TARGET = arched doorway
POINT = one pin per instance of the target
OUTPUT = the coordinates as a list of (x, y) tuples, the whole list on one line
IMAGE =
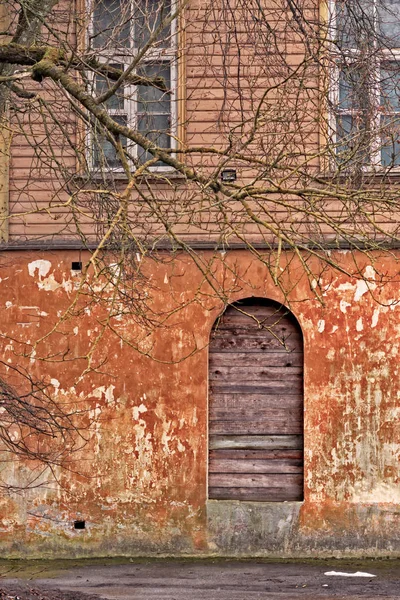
[(256, 404)]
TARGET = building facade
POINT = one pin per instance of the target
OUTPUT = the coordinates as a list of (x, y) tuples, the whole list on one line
[(199, 281)]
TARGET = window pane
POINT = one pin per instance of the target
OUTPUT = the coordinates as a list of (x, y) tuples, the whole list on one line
[(390, 87), (111, 23), (353, 140), (356, 87), (349, 87), (354, 22), (151, 99), (155, 128), (390, 151), (116, 102), (149, 14), (389, 22), (104, 153)]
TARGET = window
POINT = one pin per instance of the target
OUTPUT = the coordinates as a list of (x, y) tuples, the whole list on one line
[(122, 33), (365, 90)]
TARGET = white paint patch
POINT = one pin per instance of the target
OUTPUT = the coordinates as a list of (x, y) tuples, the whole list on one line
[(137, 410), (56, 384), (343, 306), (42, 266), (108, 393), (375, 317), (331, 354), (359, 324), (321, 326), (356, 574), (392, 303), (381, 493), (49, 284), (344, 287), (369, 272), (361, 289)]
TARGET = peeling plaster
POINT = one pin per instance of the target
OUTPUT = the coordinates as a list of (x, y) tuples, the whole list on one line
[(145, 463), (375, 317), (42, 266), (344, 305), (107, 392)]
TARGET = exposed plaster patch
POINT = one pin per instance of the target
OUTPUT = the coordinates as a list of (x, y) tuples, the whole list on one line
[(359, 324), (166, 278), (75, 330), (321, 326), (334, 328), (108, 393), (344, 287), (370, 272), (56, 384), (385, 493), (42, 266), (165, 438), (136, 410), (392, 303), (331, 354), (9, 304), (375, 317), (361, 289), (343, 306)]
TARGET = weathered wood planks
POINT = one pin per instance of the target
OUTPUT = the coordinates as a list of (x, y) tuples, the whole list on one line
[(256, 404)]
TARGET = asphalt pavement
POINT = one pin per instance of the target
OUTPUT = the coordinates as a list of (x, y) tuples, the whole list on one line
[(219, 579)]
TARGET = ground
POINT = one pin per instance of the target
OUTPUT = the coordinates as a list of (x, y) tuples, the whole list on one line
[(167, 579)]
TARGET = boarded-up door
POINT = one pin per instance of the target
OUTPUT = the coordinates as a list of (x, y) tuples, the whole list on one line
[(256, 404)]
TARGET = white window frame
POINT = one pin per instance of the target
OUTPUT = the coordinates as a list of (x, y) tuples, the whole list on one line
[(124, 57), (387, 56)]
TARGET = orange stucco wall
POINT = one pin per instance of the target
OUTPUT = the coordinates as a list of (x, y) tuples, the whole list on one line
[(138, 478)]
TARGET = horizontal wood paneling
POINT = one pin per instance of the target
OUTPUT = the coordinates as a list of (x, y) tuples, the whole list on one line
[(255, 442), (294, 492), (258, 466), (256, 404), (267, 454), (253, 402), (254, 480)]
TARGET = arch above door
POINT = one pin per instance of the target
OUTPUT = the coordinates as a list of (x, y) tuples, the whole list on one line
[(256, 404)]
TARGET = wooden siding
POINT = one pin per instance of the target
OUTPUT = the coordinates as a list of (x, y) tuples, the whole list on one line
[(256, 404), (212, 101)]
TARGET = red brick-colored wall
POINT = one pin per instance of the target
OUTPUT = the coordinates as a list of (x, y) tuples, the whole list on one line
[(139, 478)]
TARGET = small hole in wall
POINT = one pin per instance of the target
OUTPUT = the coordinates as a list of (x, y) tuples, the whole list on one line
[(76, 266), (79, 525)]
